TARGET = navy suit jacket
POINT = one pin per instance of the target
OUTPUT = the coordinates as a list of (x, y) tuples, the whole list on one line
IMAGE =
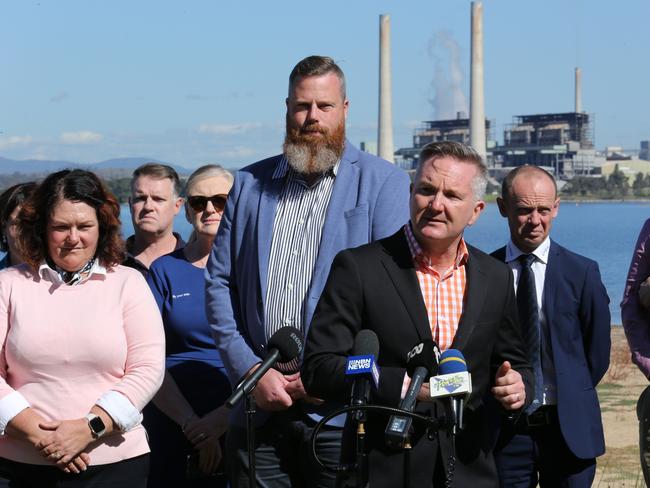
[(576, 307), (369, 201)]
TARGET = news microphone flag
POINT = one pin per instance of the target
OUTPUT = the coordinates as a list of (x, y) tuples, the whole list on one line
[(365, 364), (454, 379)]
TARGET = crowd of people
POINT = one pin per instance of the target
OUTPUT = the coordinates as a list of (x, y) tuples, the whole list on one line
[(117, 355)]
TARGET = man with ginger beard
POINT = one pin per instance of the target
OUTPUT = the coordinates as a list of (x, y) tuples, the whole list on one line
[(286, 218)]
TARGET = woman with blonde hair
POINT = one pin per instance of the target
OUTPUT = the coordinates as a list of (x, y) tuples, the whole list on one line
[(189, 418)]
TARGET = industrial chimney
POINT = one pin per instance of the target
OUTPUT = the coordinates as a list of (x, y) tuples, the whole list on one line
[(385, 126), (477, 100), (578, 101)]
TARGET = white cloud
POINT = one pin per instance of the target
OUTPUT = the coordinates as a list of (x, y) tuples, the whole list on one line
[(237, 152), (81, 137), (12, 141), (228, 129)]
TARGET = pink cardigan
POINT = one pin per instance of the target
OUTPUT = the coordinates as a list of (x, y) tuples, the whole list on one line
[(64, 348)]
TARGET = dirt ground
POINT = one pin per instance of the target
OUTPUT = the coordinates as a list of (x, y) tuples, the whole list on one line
[(618, 393)]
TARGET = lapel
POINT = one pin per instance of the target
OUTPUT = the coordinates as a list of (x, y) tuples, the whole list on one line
[(551, 279), (346, 180), (399, 266), (269, 197), (475, 296)]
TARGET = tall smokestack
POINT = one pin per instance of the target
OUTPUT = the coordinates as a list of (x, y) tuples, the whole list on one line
[(578, 91), (385, 127), (477, 100)]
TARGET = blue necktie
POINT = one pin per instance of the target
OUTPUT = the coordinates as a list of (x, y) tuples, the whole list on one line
[(530, 325)]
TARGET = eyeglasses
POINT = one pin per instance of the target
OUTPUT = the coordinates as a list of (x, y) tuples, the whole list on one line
[(199, 202)]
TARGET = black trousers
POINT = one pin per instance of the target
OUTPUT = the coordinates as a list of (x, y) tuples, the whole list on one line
[(643, 414), (130, 473), (283, 457)]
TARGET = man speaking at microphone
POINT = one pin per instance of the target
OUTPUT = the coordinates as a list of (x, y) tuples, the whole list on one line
[(425, 283)]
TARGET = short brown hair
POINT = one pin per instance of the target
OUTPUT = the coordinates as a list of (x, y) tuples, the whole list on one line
[(460, 152), (10, 199), (316, 66), (77, 186), (506, 184), (158, 171)]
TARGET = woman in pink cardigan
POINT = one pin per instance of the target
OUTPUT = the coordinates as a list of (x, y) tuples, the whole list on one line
[(82, 344)]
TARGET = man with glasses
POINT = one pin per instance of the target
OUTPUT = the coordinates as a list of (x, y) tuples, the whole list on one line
[(285, 220), (154, 202)]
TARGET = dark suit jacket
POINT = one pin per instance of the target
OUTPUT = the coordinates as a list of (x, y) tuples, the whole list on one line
[(576, 307), (375, 287)]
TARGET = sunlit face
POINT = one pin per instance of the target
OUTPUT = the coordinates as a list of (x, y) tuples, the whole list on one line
[(443, 203), (11, 231), (316, 103), (316, 111), (206, 222), (72, 234), (530, 209), (153, 205)]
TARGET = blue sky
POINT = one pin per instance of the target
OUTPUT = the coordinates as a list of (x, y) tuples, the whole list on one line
[(204, 81)]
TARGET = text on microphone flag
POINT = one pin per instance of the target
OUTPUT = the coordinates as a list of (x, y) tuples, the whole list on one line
[(363, 365)]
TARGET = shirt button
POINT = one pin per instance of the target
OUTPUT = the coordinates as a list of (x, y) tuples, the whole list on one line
[(290, 286), (301, 221), (294, 252)]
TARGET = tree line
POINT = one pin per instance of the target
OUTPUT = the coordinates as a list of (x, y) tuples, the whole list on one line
[(614, 186)]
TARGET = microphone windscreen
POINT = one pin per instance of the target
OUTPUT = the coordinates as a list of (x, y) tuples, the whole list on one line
[(452, 361), (366, 343), (288, 341), (423, 355)]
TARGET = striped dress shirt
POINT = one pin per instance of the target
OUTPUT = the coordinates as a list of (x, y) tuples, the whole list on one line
[(297, 231), (443, 294)]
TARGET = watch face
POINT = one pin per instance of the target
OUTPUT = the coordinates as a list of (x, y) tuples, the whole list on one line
[(97, 425)]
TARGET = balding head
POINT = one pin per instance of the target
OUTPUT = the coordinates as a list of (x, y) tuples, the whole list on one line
[(529, 202), (525, 171)]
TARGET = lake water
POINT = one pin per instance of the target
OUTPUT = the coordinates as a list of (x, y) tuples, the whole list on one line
[(605, 232)]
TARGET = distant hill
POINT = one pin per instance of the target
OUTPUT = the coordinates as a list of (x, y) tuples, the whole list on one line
[(111, 168), (31, 166)]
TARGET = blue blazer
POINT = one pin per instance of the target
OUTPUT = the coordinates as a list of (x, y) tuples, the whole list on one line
[(369, 201), (576, 307)]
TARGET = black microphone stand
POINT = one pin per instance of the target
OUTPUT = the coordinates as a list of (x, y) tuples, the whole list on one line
[(433, 425), (360, 395), (407, 463), (361, 455), (250, 437)]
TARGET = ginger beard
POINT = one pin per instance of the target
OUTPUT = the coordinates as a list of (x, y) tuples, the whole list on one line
[(313, 149)]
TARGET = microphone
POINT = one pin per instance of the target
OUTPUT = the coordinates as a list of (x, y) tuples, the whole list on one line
[(422, 363), (284, 345), (453, 381), (363, 366)]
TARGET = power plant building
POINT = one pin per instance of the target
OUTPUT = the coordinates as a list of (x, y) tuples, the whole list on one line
[(563, 142), (457, 130)]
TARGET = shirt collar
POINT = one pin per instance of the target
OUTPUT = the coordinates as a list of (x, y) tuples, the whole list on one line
[(131, 240), (283, 167), (541, 253), (422, 260), (45, 272)]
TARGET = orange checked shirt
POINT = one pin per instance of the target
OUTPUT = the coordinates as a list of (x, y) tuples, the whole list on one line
[(443, 294)]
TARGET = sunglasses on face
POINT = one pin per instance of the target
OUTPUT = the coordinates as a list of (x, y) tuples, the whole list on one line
[(199, 202)]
